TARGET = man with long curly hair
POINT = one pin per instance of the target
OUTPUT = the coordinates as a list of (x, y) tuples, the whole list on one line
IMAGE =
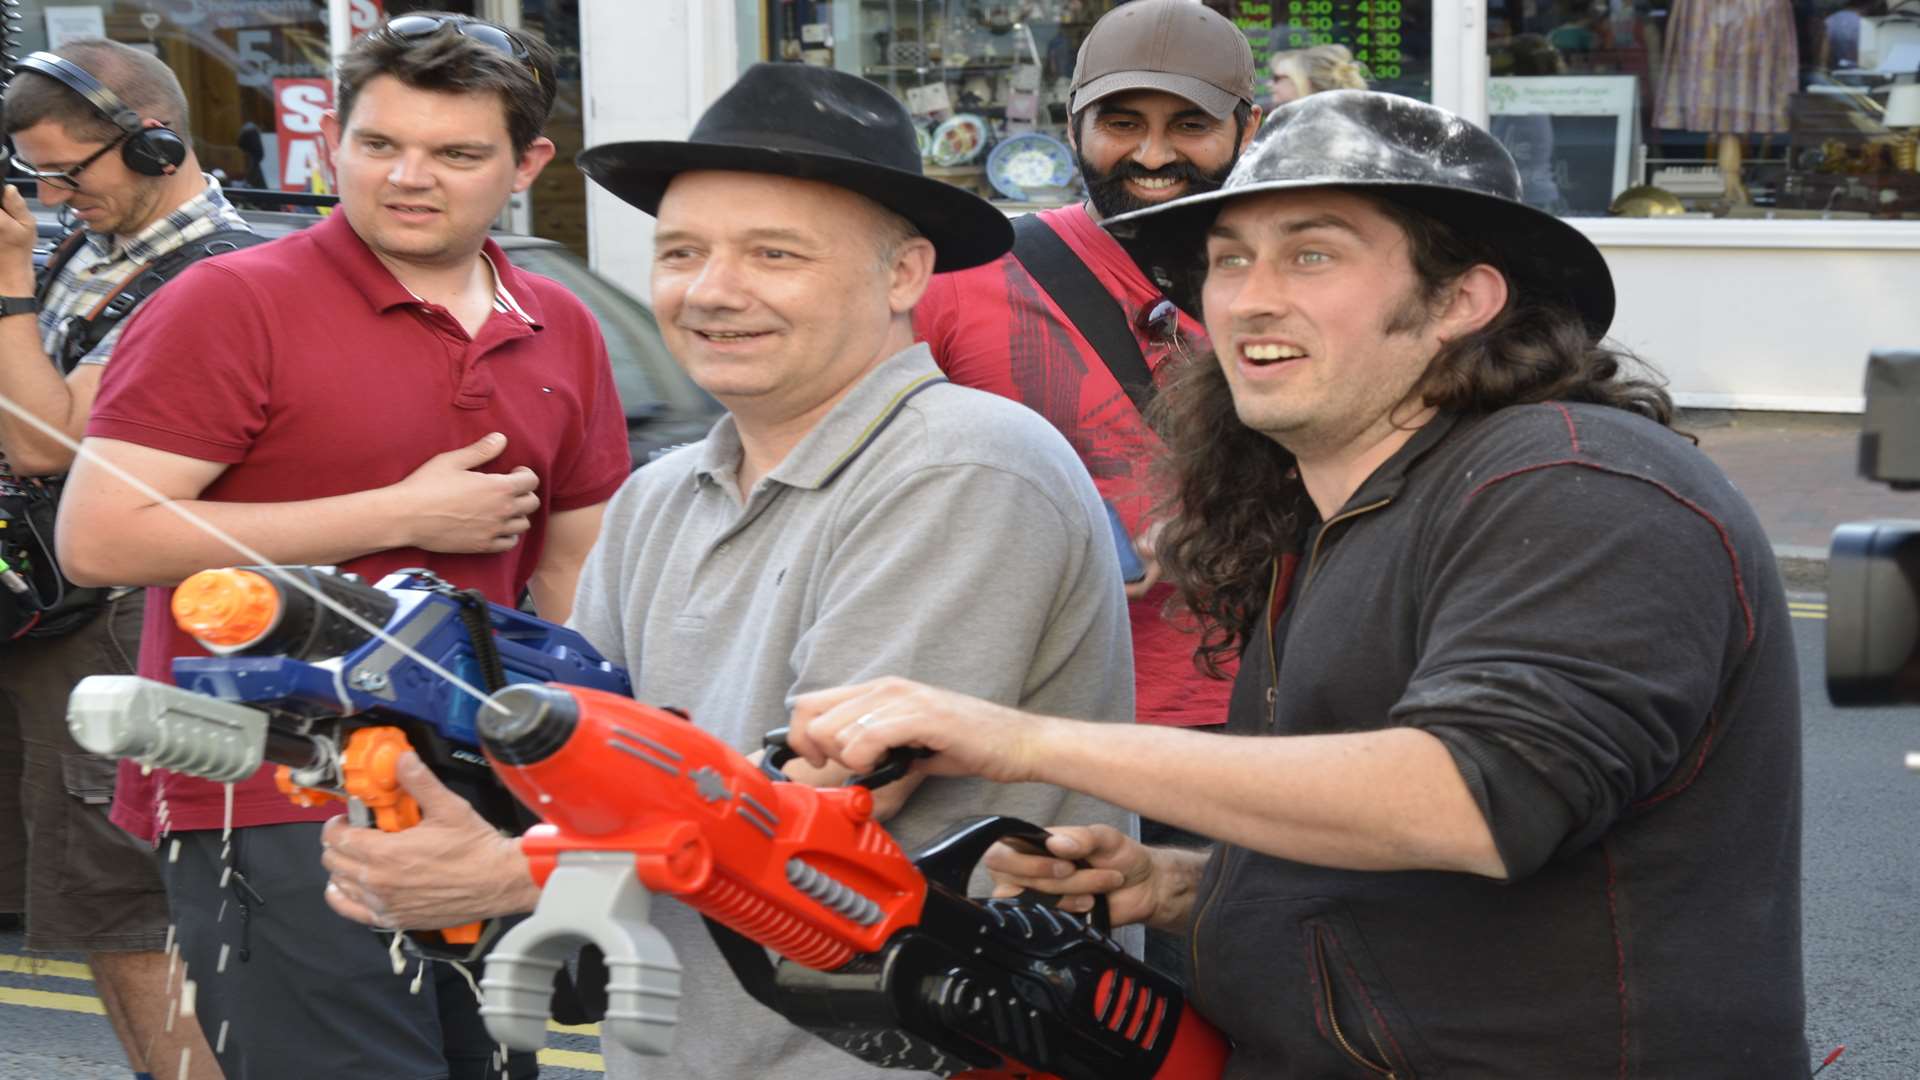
[(1518, 792)]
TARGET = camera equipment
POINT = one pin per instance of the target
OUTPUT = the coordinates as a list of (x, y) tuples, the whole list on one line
[(1873, 569), (35, 600)]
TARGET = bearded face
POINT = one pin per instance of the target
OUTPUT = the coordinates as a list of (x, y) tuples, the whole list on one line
[(1147, 147), (1118, 191)]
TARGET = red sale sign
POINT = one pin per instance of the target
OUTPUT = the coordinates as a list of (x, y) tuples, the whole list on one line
[(298, 105), (364, 15)]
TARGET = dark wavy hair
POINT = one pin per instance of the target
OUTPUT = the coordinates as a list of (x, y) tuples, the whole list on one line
[(448, 62), (1236, 500)]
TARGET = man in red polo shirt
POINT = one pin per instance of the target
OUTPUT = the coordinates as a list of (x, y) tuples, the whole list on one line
[(1161, 106), (380, 391)]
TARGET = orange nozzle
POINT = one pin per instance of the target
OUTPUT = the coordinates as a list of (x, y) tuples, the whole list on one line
[(226, 607), (465, 934), (300, 796)]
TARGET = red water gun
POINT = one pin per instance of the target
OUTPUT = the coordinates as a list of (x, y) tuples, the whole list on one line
[(883, 955)]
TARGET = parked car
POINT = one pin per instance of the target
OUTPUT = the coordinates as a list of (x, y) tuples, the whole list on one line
[(664, 408)]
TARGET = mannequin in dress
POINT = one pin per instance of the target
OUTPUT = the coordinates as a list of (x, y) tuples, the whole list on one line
[(1730, 67)]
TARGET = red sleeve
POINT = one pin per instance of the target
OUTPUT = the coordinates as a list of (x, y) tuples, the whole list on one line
[(963, 319), (598, 460), (184, 382)]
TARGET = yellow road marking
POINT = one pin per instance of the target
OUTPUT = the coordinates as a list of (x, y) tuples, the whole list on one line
[(34, 965), (573, 1059), (87, 1003), (1807, 609), (46, 999)]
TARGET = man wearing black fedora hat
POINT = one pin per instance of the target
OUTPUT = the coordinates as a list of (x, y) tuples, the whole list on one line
[(853, 515), (1520, 788)]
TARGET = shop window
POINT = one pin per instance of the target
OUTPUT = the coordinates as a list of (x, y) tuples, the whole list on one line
[(244, 65), (1753, 109), (256, 77), (987, 81), (1388, 44), (559, 196)]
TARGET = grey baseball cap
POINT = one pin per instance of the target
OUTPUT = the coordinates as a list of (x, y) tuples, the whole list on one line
[(1179, 46)]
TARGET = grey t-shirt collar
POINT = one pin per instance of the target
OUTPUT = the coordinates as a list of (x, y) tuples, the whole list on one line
[(847, 430)]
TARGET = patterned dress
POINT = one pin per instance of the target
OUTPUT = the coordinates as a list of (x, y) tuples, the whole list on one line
[(1730, 66)]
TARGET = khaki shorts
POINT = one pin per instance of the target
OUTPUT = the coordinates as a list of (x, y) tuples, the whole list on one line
[(89, 886)]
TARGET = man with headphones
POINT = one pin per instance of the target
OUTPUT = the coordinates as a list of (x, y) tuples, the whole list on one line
[(101, 127)]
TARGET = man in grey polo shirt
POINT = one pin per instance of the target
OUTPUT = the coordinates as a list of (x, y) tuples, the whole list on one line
[(855, 515)]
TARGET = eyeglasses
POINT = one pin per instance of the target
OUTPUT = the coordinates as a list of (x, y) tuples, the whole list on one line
[(412, 27), (65, 179)]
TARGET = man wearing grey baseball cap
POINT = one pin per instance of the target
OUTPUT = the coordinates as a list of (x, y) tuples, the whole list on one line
[(1158, 87), (1161, 107)]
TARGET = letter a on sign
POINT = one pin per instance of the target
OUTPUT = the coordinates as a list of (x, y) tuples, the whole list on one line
[(298, 106)]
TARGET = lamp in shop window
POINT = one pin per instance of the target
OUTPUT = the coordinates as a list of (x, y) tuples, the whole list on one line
[(1903, 117)]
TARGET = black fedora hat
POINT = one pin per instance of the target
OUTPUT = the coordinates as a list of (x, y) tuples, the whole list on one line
[(813, 123), (1417, 155)]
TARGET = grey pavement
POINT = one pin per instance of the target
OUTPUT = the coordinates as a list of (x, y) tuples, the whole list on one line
[(1800, 472)]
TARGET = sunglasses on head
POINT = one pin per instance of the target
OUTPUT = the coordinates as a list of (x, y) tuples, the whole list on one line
[(65, 179), (414, 27), (1160, 321)]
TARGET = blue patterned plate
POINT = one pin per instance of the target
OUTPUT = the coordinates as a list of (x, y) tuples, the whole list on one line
[(1029, 160)]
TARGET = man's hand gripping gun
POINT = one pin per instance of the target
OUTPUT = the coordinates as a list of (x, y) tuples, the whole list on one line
[(884, 956), (296, 683)]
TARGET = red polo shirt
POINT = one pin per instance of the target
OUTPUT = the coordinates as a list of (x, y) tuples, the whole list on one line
[(993, 327), (310, 371)]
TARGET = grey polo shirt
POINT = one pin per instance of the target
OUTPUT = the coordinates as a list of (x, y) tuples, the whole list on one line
[(921, 529)]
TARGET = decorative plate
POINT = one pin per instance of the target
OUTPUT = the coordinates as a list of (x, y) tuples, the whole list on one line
[(1029, 160), (959, 140), (925, 140)]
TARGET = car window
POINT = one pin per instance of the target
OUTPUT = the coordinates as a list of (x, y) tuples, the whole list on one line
[(650, 381)]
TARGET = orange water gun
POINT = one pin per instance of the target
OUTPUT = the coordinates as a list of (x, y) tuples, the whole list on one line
[(883, 954), (307, 686)]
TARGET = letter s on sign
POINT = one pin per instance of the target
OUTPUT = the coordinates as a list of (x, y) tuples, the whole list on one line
[(302, 106), (363, 15)]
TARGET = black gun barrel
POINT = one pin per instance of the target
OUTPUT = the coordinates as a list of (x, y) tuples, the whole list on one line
[(256, 611)]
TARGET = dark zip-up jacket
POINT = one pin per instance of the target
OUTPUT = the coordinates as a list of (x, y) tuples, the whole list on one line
[(1583, 609)]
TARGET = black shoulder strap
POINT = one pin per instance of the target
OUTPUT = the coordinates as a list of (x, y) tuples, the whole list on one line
[(83, 337), (1092, 309)]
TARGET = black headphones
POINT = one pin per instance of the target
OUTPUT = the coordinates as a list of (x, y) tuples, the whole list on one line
[(149, 151)]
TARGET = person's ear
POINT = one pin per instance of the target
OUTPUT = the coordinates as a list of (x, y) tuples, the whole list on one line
[(330, 136), (1473, 300), (912, 269), (1253, 128), (538, 153)]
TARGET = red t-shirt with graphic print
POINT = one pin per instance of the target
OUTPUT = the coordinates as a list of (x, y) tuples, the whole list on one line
[(993, 327)]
